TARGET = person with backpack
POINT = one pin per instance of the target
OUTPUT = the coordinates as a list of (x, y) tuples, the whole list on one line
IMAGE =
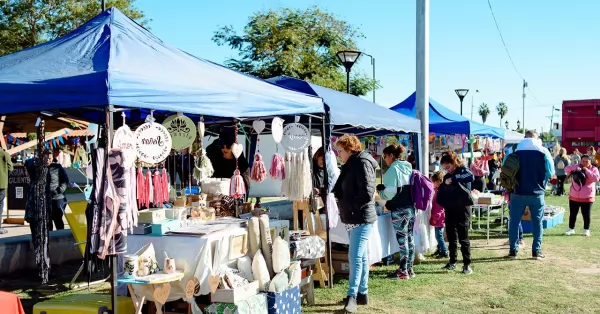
[(396, 190), (561, 161), (583, 193), (456, 199), (525, 173)]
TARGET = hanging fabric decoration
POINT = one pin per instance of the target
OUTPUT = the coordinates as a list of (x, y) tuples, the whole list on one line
[(259, 172), (237, 188), (277, 170)]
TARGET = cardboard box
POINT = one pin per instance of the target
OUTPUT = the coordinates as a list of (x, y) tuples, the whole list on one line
[(341, 267), (339, 256), (526, 215), (235, 295)]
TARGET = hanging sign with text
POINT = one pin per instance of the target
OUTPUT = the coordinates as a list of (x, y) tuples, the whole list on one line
[(152, 142), (125, 140), (295, 137), (18, 188), (182, 130)]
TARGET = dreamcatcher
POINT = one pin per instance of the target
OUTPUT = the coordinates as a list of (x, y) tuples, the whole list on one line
[(277, 170), (259, 172)]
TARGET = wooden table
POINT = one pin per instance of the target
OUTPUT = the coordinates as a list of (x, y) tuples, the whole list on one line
[(159, 284)]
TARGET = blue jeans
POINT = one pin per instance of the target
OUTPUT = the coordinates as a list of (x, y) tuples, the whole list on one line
[(439, 237), (521, 236), (536, 205), (358, 258)]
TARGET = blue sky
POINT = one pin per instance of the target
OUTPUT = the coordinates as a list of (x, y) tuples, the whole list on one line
[(554, 45)]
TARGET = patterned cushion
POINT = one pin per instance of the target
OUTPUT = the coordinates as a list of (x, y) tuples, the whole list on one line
[(253, 236), (244, 264), (266, 243), (281, 255), (279, 283), (294, 274), (260, 271)]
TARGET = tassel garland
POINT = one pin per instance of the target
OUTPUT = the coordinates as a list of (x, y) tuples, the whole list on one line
[(277, 170), (259, 172), (237, 187)]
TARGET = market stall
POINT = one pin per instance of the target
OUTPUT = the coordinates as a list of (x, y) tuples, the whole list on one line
[(111, 64)]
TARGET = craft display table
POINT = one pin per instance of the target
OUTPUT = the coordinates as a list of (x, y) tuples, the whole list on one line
[(382, 242), (159, 286), (488, 208)]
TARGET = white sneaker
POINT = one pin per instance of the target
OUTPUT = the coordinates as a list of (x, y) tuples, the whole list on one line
[(586, 233), (570, 232)]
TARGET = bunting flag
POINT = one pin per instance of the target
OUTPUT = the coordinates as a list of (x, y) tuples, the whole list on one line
[(61, 140), (47, 147)]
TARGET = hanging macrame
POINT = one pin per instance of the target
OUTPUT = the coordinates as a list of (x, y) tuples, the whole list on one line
[(277, 170), (237, 188), (203, 168), (259, 172)]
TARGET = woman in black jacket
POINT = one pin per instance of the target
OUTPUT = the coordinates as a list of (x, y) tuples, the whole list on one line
[(459, 214), (354, 190)]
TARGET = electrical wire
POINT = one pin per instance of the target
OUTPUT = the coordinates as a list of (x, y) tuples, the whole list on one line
[(512, 62)]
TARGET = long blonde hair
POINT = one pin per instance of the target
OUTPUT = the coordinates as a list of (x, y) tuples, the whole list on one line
[(562, 153)]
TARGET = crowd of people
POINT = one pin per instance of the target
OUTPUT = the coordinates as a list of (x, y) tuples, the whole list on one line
[(533, 167)]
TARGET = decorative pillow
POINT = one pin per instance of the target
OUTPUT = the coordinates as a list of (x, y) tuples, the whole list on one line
[(281, 255), (294, 274), (244, 264), (253, 236), (235, 281), (266, 243), (279, 283), (260, 271)]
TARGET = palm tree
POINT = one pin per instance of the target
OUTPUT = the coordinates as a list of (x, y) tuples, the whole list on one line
[(502, 110), (484, 111)]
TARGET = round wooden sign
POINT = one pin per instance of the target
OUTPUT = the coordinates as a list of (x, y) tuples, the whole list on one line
[(182, 130), (295, 137), (152, 142)]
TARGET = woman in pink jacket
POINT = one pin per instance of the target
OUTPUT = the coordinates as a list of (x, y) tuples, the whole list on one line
[(582, 196)]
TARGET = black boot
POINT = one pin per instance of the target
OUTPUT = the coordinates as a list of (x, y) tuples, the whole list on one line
[(350, 305), (362, 299)]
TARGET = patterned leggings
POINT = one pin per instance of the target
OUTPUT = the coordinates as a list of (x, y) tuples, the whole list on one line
[(403, 221)]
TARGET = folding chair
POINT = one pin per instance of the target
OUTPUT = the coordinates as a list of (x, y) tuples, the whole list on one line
[(75, 215)]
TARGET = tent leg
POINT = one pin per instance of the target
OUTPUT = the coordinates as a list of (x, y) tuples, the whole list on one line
[(325, 138)]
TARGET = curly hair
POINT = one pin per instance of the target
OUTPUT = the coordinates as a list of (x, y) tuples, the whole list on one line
[(437, 176), (451, 157), (349, 143)]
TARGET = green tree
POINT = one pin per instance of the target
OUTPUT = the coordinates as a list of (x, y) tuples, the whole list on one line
[(26, 23), (297, 43), (547, 137), (484, 111), (502, 110)]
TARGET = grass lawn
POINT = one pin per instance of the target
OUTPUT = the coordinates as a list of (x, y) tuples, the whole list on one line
[(568, 281)]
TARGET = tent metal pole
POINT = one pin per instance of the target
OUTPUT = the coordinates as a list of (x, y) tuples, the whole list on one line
[(113, 258), (325, 142)]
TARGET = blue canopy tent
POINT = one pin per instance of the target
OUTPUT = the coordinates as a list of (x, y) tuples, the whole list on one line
[(445, 121), (352, 114), (111, 60)]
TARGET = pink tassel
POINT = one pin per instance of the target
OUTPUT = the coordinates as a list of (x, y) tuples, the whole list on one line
[(277, 167), (237, 188), (259, 172)]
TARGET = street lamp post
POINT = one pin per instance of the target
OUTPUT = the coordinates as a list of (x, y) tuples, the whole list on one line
[(472, 103), (374, 81), (348, 58), (461, 93), (506, 124)]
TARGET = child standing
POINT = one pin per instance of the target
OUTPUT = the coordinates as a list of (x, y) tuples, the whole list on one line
[(437, 217)]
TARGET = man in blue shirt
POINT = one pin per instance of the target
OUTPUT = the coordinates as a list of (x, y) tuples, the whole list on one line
[(536, 166)]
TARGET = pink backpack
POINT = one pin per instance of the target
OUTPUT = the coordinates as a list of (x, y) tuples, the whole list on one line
[(421, 189)]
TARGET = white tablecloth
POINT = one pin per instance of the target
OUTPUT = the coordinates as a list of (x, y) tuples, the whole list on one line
[(193, 255), (382, 242)]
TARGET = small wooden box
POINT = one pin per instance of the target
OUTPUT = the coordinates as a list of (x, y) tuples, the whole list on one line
[(152, 216), (235, 295)]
